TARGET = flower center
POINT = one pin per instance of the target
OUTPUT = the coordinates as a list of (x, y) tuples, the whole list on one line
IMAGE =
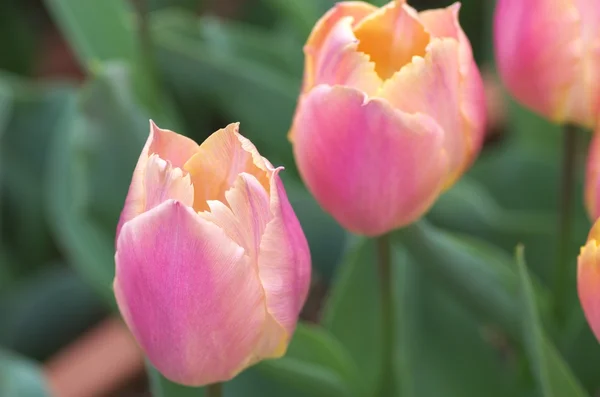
[(391, 36)]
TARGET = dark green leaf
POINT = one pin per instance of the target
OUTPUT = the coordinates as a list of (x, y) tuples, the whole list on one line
[(353, 312), (553, 376)]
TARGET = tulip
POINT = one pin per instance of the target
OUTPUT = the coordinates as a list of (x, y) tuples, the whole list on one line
[(592, 179), (391, 112), (548, 54), (588, 279), (212, 267)]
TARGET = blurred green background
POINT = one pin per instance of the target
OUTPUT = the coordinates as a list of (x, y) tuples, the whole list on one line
[(79, 80)]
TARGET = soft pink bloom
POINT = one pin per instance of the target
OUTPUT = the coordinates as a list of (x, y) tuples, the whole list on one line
[(592, 178), (548, 55), (212, 267), (588, 279), (391, 112)]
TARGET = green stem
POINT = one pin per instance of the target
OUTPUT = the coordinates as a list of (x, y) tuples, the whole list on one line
[(387, 313), (214, 390), (565, 220)]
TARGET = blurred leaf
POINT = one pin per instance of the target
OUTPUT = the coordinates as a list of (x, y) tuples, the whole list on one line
[(89, 173), (325, 236), (20, 377), (17, 54), (553, 376), (28, 128), (105, 31), (353, 312), (240, 87), (429, 322), (41, 314), (479, 275), (302, 15), (317, 364)]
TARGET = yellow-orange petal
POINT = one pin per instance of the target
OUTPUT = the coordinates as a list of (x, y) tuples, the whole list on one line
[(391, 36), (217, 163)]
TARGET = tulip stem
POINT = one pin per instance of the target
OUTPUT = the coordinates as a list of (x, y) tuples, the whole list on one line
[(565, 220), (214, 390), (387, 313)]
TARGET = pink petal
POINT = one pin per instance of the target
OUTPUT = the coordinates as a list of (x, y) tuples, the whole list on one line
[(372, 167), (284, 262), (553, 69), (434, 86), (588, 284), (350, 11), (189, 294), (168, 146), (444, 23), (592, 179)]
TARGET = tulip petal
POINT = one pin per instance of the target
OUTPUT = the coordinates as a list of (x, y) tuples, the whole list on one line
[(588, 284), (219, 160), (169, 146), (164, 182), (433, 86), (444, 23), (284, 261), (364, 161), (391, 36), (592, 179), (320, 49), (190, 295), (553, 69)]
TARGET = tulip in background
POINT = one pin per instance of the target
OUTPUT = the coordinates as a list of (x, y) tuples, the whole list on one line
[(548, 55), (592, 179), (212, 267), (391, 112), (588, 279)]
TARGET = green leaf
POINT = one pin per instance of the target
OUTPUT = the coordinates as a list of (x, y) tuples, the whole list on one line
[(553, 376), (353, 312), (315, 363), (33, 311), (105, 31), (20, 377), (240, 87), (89, 174), (429, 319), (477, 274)]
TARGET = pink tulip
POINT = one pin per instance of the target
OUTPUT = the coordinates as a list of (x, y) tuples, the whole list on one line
[(588, 279), (391, 112), (592, 180), (212, 267), (548, 55)]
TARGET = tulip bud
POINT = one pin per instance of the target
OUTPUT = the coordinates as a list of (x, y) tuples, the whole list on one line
[(592, 178), (588, 279), (548, 54), (391, 112), (212, 267)]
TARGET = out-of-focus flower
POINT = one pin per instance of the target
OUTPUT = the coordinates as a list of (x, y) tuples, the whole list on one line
[(588, 279), (212, 267), (592, 178), (548, 55), (392, 111)]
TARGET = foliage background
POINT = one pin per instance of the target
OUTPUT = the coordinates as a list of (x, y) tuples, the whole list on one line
[(79, 80)]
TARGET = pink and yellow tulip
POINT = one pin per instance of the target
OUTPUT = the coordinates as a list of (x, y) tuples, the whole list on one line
[(588, 279), (212, 267), (391, 112), (548, 55)]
